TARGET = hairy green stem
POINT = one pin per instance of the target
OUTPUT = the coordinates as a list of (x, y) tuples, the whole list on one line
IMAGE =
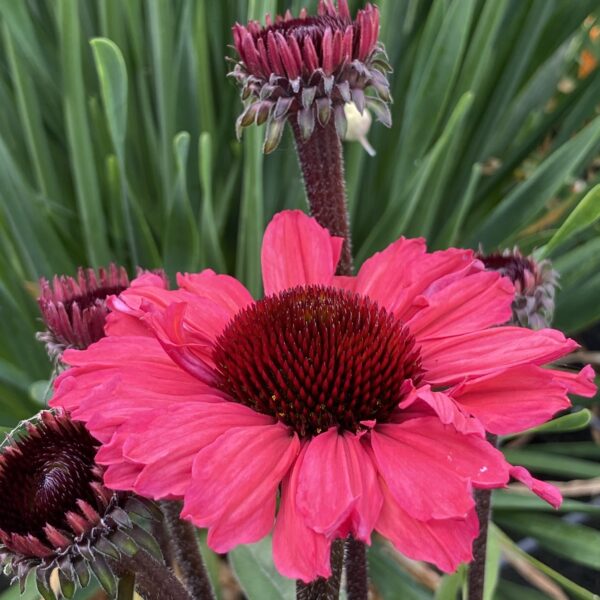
[(357, 580), (476, 583), (321, 588), (322, 163), (186, 552), (153, 579)]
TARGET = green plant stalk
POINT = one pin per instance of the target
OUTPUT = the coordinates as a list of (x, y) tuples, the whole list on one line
[(182, 537)]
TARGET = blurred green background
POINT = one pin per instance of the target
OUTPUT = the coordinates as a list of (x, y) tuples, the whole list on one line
[(117, 143)]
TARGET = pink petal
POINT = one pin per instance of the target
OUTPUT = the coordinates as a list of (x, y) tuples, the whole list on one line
[(296, 251), (544, 490), (385, 275), (121, 476), (581, 384), (446, 543), (167, 446), (120, 378), (338, 491), (441, 405), (234, 484), (450, 360), (404, 452), (298, 552), (513, 399), (469, 304), (226, 291)]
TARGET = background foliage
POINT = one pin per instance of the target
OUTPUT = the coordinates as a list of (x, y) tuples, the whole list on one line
[(117, 143)]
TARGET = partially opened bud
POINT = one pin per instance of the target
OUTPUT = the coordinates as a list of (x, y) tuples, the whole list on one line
[(535, 286), (307, 67), (74, 309), (55, 512)]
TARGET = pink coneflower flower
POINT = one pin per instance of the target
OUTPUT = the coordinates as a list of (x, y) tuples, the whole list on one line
[(55, 510), (74, 309), (306, 68), (354, 397), (535, 286)]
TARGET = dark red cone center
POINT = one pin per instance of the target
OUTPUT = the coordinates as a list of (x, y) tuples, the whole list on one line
[(43, 476), (316, 357)]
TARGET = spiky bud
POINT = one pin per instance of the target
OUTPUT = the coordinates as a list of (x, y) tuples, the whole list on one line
[(55, 512), (308, 67), (535, 286)]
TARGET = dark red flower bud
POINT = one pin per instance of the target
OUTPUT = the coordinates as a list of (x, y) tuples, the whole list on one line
[(535, 286), (55, 510), (308, 67)]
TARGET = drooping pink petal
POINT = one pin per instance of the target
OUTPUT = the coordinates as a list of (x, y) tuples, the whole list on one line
[(146, 291), (166, 447), (226, 291), (581, 383), (446, 542), (234, 484), (441, 405), (454, 461), (338, 492), (514, 399), (187, 333), (470, 304), (296, 250), (544, 490), (110, 383), (449, 360), (298, 551)]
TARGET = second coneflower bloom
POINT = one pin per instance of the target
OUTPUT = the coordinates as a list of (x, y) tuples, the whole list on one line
[(362, 400), (306, 68), (56, 512)]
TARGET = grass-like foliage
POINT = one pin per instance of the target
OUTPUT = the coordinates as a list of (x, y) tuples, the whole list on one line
[(117, 143)]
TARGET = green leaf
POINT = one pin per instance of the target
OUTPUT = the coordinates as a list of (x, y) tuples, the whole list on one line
[(586, 213), (182, 242), (492, 565), (508, 501), (254, 569), (451, 585), (79, 136), (388, 576), (552, 464), (575, 590), (574, 542), (528, 198), (572, 422)]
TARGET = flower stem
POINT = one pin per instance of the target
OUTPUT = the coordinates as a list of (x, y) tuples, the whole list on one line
[(321, 588), (357, 581), (126, 587), (186, 552), (484, 511), (322, 164), (153, 580)]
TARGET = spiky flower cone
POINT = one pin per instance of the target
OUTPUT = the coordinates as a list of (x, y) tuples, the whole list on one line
[(535, 286), (306, 68), (74, 309), (55, 512)]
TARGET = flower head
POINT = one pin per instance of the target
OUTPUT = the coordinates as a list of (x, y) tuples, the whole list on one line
[(535, 286), (308, 67), (346, 395), (74, 309), (56, 511)]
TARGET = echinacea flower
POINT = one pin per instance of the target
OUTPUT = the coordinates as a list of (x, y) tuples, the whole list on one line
[(74, 309), (56, 513), (306, 68), (535, 286), (362, 400)]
